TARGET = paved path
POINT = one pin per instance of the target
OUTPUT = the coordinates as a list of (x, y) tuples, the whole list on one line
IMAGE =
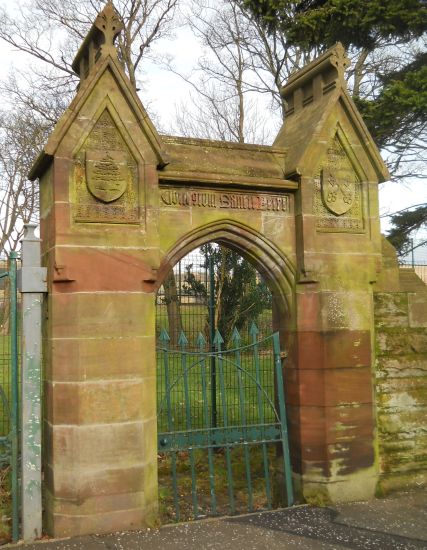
[(395, 523)]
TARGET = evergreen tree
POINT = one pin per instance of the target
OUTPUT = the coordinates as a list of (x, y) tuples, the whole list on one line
[(355, 23), (391, 96), (404, 224), (240, 294)]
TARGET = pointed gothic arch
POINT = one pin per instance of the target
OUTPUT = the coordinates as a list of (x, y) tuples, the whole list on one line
[(264, 255)]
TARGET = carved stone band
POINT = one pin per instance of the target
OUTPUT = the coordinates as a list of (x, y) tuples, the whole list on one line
[(223, 199)]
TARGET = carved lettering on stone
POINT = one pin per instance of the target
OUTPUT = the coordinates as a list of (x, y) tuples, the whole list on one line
[(337, 193), (197, 198), (106, 177)]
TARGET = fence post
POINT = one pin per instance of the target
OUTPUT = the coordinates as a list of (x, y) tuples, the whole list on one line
[(32, 284)]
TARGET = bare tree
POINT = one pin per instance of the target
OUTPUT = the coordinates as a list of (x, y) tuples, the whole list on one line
[(221, 104), (173, 307), (244, 65), (20, 134), (50, 32), (404, 147), (239, 75)]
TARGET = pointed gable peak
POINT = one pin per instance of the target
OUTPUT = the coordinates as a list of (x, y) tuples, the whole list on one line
[(312, 82), (99, 40), (317, 99)]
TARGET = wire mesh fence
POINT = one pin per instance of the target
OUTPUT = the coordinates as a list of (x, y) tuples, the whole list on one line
[(416, 258), (202, 389), (221, 423), (5, 350), (216, 387), (9, 400), (202, 294)]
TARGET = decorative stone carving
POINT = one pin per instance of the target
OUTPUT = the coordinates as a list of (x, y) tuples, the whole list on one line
[(338, 188), (337, 195), (109, 23), (202, 198), (106, 174), (106, 177)]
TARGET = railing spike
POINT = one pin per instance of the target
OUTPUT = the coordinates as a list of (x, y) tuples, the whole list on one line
[(164, 336), (235, 337), (254, 330), (182, 340), (201, 340), (218, 339)]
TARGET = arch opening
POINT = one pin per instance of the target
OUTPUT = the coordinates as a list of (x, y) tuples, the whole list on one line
[(216, 375)]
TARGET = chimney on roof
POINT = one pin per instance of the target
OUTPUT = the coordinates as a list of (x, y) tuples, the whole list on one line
[(99, 41)]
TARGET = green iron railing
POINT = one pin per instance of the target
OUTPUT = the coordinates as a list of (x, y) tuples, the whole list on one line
[(9, 385), (242, 426)]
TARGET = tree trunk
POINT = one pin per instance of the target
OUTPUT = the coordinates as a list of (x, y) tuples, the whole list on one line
[(173, 307), (5, 307)]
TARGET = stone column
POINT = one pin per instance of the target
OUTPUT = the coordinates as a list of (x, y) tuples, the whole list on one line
[(332, 376)]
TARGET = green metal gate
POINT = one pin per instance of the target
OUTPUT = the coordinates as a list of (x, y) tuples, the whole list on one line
[(9, 388), (222, 435)]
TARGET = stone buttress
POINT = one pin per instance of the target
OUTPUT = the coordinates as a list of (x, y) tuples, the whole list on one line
[(338, 167)]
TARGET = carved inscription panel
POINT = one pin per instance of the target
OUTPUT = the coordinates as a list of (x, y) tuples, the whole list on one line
[(208, 199), (106, 177), (338, 193)]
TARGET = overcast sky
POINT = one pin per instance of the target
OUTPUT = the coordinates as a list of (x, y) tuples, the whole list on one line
[(163, 91)]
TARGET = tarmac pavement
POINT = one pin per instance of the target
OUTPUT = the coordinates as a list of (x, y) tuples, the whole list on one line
[(396, 523)]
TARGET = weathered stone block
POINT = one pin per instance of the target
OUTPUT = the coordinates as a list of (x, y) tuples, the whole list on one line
[(309, 319), (404, 418), (98, 402), (417, 306), (401, 341), (104, 269), (401, 366), (345, 348), (107, 445), (74, 490), (61, 525), (115, 357), (330, 387), (402, 391), (84, 315), (391, 309)]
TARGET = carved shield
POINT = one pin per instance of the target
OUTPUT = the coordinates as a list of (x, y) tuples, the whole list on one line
[(106, 174), (338, 189)]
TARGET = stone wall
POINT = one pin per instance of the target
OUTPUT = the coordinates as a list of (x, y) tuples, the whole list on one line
[(401, 379)]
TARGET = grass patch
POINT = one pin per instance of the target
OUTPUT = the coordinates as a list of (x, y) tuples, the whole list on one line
[(5, 505), (243, 400), (5, 385), (221, 483), (243, 403)]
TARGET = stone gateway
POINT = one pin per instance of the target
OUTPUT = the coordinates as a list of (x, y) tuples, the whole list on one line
[(121, 204)]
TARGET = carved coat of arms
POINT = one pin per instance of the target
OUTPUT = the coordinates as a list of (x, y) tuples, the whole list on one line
[(338, 189), (106, 174)]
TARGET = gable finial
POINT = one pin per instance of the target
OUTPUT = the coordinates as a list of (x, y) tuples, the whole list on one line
[(109, 23), (339, 59), (311, 83), (99, 41)]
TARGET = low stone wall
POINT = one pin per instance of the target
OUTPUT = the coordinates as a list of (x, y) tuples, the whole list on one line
[(401, 383)]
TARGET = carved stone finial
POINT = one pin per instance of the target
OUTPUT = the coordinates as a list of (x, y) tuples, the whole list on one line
[(324, 74), (99, 41), (339, 59), (109, 23)]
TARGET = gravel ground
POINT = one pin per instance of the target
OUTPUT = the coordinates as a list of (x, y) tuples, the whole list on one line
[(395, 523)]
